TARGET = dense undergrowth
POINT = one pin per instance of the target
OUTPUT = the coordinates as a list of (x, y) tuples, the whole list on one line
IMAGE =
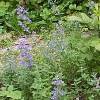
[(49, 50)]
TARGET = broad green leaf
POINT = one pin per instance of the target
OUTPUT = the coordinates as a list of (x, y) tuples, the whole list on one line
[(72, 6), (85, 18), (82, 17), (45, 13)]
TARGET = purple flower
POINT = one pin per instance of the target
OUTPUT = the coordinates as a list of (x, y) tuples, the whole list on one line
[(57, 81), (22, 14), (20, 23), (59, 27), (24, 17), (25, 64), (21, 10), (23, 44), (57, 90), (25, 57), (54, 94), (24, 27)]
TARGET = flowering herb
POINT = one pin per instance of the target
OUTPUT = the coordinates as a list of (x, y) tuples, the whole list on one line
[(24, 27), (23, 44), (57, 90), (22, 14), (25, 57), (57, 42), (57, 81), (59, 27)]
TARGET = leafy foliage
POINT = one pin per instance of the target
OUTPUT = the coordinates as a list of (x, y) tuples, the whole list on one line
[(65, 49)]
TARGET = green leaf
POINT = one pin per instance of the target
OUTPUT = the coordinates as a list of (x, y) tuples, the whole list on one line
[(72, 6), (79, 8), (97, 47), (85, 18), (36, 86), (10, 88), (2, 93), (82, 17), (96, 44), (45, 13), (3, 7), (74, 18), (14, 94), (97, 10)]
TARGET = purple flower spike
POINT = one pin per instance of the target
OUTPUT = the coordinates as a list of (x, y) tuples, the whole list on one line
[(22, 14), (24, 27), (57, 90), (25, 57), (54, 94), (25, 64), (57, 81), (23, 44), (21, 10)]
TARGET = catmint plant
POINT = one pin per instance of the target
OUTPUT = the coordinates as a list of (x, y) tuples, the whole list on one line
[(22, 15), (24, 27), (57, 91), (57, 41), (57, 44), (25, 58)]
